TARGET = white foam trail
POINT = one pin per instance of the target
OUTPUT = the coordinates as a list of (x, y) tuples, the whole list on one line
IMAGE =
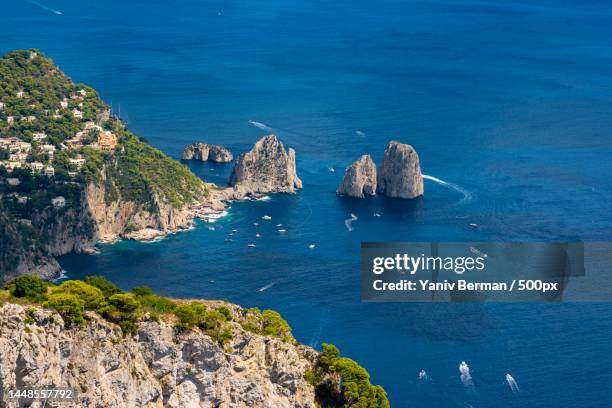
[(63, 275), (214, 216), (42, 6), (349, 221), (360, 133), (261, 126), (478, 252), (268, 286), (467, 196), (466, 377), (512, 384)]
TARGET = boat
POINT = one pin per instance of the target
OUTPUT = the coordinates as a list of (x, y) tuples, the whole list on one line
[(251, 245), (311, 246), (266, 217), (282, 230), (473, 226)]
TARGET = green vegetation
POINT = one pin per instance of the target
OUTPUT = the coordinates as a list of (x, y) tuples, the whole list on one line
[(108, 288), (92, 297), (125, 310), (268, 323), (338, 381), (32, 288), (341, 382), (212, 321), (69, 306), (38, 99)]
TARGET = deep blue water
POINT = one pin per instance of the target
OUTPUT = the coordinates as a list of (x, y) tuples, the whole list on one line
[(509, 100)]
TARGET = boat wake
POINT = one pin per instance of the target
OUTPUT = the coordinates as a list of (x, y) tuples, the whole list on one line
[(512, 384), (466, 377), (42, 6), (268, 286), (350, 221), (467, 195), (261, 126)]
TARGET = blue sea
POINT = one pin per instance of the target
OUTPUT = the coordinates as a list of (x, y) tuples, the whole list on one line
[(510, 101)]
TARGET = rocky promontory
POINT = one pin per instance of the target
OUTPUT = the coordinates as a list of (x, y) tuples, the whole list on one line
[(207, 152), (138, 349), (266, 168), (359, 178), (399, 174)]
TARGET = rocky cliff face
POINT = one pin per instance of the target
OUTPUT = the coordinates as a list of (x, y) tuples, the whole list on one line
[(266, 168), (399, 174), (359, 178), (204, 152), (120, 217), (158, 367)]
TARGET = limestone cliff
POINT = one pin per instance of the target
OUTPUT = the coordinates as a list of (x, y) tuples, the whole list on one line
[(160, 366), (115, 216), (359, 178), (399, 174), (266, 168), (203, 152)]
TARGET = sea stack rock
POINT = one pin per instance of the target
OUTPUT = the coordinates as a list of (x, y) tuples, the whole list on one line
[(399, 174), (359, 178), (204, 151), (266, 168)]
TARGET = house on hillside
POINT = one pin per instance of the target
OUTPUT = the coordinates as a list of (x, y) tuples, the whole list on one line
[(107, 141)]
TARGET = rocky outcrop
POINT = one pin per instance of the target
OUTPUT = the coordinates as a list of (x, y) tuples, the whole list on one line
[(122, 218), (158, 367), (359, 178), (203, 152), (266, 168), (399, 174)]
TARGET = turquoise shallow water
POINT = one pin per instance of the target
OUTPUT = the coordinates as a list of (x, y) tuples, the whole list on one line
[(508, 100)]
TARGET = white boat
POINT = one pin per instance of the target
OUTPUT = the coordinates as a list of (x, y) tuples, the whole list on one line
[(311, 246), (251, 245), (266, 217), (282, 230), (257, 235)]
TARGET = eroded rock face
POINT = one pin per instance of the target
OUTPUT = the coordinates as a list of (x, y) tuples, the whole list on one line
[(159, 367), (266, 168), (203, 152), (399, 174), (359, 178)]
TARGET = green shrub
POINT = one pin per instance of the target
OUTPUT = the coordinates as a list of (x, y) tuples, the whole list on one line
[(92, 297), (108, 288), (155, 304), (190, 315), (69, 306), (125, 310), (27, 286), (329, 356), (224, 310), (341, 382), (274, 325), (142, 291), (212, 322)]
